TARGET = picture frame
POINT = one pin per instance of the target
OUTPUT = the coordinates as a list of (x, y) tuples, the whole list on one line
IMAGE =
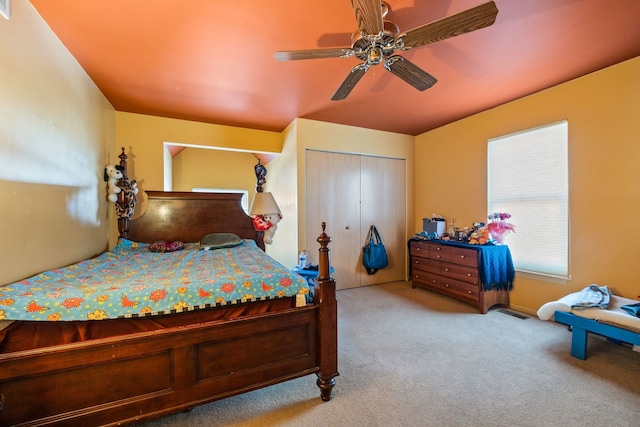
[(5, 8)]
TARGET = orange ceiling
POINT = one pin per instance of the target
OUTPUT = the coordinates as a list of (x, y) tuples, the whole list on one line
[(212, 61)]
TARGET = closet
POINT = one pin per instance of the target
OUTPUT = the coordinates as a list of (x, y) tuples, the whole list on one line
[(351, 192)]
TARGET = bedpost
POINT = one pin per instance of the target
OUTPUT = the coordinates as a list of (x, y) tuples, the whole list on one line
[(327, 320), (126, 203)]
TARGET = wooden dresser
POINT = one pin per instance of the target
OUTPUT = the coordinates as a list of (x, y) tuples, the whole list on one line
[(452, 270)]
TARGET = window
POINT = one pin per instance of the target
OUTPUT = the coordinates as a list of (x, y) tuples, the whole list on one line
[(528, 177)]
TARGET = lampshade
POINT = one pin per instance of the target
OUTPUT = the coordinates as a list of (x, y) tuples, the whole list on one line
[(264, 204)]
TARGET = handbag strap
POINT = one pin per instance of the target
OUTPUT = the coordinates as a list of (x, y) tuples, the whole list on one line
[(373, 232)]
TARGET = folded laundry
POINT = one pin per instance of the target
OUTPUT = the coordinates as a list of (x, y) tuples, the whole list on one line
[(632, 309), (592, 296)]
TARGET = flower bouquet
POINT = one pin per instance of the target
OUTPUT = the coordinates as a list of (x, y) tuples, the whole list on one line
[(498, 226)]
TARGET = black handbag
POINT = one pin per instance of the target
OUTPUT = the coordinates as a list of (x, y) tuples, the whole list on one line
[(375, 254)]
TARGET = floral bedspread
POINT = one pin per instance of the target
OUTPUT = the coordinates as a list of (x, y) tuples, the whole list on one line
[(131, 281)]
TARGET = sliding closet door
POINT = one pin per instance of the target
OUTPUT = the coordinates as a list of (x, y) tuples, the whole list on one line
[(383, 204), (350, 193), (333, 196)]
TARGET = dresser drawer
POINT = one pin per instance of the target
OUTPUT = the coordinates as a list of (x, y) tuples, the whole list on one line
[(421, 278), (463, 289), (460, 272), (439, 252), (464, 256), (420, 249), (426, 264)]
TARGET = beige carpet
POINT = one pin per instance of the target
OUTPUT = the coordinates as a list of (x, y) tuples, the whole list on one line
[(409, 357)]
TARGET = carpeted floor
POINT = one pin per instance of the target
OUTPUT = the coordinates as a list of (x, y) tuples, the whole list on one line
[(409, 357)]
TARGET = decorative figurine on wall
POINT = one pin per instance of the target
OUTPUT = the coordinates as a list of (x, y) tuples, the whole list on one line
[(264, 209)]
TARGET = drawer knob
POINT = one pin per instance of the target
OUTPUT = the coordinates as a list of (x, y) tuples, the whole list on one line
[(437, 249), (468, 274), (446, 285), (446, 269), (461, 256), (417, 249), (469, 292), (438, 256)]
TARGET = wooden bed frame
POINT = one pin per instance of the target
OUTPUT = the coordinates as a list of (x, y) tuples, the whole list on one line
[(580, 328), (121, 380)]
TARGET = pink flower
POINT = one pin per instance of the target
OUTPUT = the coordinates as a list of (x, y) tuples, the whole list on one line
[(498, 227)]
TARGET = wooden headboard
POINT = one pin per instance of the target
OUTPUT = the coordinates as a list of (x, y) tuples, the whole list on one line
[(185, 216), (178, 215)]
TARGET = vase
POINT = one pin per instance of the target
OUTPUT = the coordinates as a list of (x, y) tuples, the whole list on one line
[(497, 233), (499, 237)]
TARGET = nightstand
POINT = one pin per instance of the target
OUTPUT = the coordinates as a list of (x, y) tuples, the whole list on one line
[(308, 274)]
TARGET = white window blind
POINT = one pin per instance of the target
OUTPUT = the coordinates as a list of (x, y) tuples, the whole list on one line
[(528, 177)]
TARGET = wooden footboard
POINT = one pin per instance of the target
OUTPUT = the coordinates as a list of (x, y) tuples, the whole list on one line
[(144, 376)]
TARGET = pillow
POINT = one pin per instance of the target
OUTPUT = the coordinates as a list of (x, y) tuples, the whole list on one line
[(162, 246), (219, 241)]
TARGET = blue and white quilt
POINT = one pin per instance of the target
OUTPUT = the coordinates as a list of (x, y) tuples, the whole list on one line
[(132, 281)]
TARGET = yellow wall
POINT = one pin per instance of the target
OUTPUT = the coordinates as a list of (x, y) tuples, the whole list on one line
[(56, 135), (143, 138), (198, 167), (602, 110), (282, 182)]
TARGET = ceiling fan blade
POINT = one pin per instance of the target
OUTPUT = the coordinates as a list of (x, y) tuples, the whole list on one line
[(368, 16), (292, 55), (454, 25), (349, 83), (409, 72)]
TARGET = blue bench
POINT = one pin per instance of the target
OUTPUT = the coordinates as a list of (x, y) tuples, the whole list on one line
[(580, 328)]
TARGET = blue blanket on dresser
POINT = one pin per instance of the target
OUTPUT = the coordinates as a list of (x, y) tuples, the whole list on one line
[(496, 268)]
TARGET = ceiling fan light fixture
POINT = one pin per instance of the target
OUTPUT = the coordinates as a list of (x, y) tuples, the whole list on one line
[(374, 55)]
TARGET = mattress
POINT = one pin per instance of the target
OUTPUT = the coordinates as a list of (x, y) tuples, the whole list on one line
[(133, 281), (613, 314)]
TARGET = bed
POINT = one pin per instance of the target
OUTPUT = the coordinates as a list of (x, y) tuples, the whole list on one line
[(612, 322), (144, 364)]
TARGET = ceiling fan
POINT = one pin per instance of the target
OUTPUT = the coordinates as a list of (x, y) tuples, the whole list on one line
[(376, 40)]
